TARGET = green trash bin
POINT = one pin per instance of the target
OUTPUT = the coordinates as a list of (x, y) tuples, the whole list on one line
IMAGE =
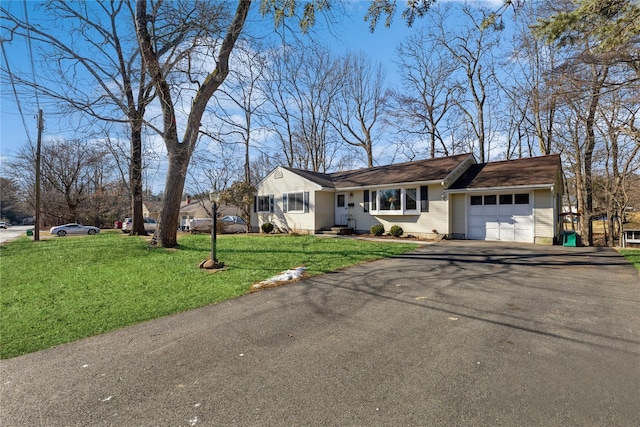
[(569, 238), (29, 232)]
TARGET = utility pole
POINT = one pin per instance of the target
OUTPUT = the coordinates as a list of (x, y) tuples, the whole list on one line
[(36, 228)]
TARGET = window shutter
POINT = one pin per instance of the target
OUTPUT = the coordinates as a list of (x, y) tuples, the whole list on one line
[(255, 204), (424, 198), (306, 201), (284, 203), (366, 201), (271, 203)]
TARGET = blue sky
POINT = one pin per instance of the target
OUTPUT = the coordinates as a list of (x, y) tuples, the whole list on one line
[(351, 34)]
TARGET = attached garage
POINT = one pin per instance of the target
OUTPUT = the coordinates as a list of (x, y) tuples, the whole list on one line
[(506, 217), (511, 201)]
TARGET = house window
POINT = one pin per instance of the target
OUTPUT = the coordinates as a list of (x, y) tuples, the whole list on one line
[(502, 199), (424, 198), (389, 199), (264, 203), (506, 199), (296, 202), (398, 201), (490, 200), (341, 200), (411, 199)]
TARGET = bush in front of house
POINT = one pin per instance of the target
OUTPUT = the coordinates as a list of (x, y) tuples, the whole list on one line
[(396, 231), (377, 230), (267, 227)]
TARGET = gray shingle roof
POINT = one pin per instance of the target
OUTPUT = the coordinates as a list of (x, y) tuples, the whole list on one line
[(416, 171)]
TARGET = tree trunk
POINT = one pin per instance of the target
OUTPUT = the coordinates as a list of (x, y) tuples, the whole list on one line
[(179, 153), (166, 232), (135, 179)]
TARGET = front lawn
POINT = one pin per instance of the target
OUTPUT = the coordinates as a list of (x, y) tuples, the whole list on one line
[(632, 255), (63, 289)]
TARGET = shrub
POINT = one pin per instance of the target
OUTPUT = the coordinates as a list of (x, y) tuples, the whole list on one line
[(267, 227), (377, 230), (396, 231)]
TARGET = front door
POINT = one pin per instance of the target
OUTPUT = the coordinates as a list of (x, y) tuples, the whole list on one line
[(341, 210)]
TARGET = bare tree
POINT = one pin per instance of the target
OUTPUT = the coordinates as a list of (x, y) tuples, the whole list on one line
[(472, 47), (531, 88), (427, 92), (280, 117), (179, 150), (239, 102), (303, 86), (622, 157), (360, 104), (12, 205), (108, 82), (75, 174)]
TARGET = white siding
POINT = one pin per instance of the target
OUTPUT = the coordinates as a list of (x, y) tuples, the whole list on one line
[(279, 182), (359, 219), (323, 206), (543, 216), (458, 216), (422, 224)]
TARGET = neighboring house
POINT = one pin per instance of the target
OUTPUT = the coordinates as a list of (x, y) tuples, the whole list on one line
[(189, 209), (513, 200), (151, 209)]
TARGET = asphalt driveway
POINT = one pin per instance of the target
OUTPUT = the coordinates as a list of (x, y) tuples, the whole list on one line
[(453, 334)]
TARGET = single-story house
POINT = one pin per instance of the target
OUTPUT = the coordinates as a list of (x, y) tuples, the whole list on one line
[(513, 200)]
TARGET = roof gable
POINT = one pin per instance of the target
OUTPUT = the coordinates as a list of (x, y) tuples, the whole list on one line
[(416, 171), (534, 171)]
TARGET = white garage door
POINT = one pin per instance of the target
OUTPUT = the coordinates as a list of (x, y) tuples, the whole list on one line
[(506, 217)]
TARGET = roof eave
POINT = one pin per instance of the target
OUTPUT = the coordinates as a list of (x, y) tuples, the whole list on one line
[(504, 188), (395, 184)]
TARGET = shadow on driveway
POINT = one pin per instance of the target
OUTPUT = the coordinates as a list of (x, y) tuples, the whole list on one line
[(454, 333)]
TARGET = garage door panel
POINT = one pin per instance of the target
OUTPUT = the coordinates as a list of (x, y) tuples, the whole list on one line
[(522, 210), (505, 222), (477, 221), (477, 233)]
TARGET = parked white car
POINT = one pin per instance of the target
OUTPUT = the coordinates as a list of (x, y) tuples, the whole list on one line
[(3, 225), (74, 228), (149, 225)]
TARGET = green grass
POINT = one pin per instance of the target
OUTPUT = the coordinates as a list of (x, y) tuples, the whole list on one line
[(632, 255), (63, 289)]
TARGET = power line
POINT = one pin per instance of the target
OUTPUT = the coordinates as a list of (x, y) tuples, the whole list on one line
[(15, 93), (33, 69)]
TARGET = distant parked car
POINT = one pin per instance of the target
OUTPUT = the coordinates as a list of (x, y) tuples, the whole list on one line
[(229, 224), (3, 225), (233, 224), (202, 225), (73, 228), (149, 225)]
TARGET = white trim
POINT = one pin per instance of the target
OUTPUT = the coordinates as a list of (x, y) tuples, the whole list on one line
[(286, 210), (385, 186), (402, 202), (497, 190)]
